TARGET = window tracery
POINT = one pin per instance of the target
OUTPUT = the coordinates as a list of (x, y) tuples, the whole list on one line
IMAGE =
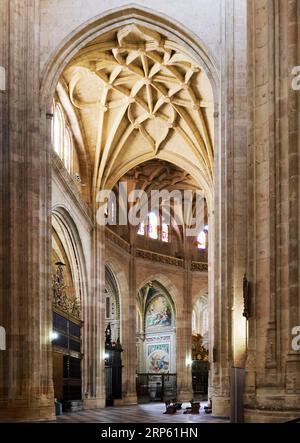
[(202, 239), (154, 229)]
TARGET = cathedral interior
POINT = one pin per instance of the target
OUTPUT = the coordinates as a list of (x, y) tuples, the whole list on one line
[(108, 301)]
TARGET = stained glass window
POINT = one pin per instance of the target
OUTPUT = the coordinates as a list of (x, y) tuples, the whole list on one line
[(154, 229), (113, 211), (165, 232), (141, 230), (201, 239), (153, 225), (57, 130), (194, 323), (61, 137), (67, 150)]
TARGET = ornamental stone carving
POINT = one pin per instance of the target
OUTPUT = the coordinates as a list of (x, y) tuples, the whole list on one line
[(199, 266), (153, 256), (63, 301)]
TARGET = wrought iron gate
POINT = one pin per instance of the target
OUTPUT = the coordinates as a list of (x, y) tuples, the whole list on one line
[(113, 368), (200, 378)]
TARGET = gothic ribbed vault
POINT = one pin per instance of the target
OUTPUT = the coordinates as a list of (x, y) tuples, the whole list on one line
[(139, 96)]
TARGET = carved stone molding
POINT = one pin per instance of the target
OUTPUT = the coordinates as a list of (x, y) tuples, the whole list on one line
[(199, 266), (153, 256), (67, 303)]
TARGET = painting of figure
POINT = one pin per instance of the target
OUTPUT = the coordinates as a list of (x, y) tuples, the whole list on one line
[(158, 313), (158, 361)]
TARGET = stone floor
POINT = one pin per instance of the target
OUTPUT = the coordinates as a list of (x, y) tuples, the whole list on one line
[(145, 413)]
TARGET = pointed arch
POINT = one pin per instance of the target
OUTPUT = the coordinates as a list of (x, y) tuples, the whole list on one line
[(112, 304), (131, 13), (166, 284), (66, 229), (155, 23)]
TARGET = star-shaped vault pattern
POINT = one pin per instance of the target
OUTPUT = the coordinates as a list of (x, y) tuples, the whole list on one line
[(141, 96)]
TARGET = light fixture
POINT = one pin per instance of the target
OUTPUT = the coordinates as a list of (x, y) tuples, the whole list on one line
[(54, 335), (189, 362), (106, 356)]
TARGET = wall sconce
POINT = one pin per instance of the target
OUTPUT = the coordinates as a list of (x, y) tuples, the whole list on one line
[(54, 335), (106, 359), (2, 79), (188, 362)]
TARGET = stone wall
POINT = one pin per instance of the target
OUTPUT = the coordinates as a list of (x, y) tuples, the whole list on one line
[(26, 387)]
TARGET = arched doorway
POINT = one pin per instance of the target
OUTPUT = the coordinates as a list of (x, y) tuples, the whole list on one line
[(156, 338)]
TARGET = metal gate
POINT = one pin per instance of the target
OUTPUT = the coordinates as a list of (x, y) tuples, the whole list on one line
[(113, 368), (156, 387), (108, 386), (200, 379)]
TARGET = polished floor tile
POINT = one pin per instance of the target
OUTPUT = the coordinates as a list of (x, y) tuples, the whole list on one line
[(144, 413)]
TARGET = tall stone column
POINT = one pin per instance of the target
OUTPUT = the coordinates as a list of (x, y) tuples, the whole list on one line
[(229, 221), (26, 387), (289, 19), (273, 367), (184, 338), (94, 326), (129, 332)]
